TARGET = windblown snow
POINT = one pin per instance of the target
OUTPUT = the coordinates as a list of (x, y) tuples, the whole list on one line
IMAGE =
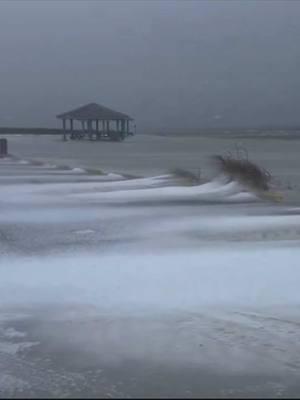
[(213, 256)]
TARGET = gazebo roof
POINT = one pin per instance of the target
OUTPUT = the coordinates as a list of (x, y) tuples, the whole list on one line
[(94, 111)]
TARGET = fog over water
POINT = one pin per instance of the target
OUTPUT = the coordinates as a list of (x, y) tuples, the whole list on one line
[(173, 65)]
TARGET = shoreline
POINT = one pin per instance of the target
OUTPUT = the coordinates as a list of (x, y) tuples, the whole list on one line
[(146, 156)]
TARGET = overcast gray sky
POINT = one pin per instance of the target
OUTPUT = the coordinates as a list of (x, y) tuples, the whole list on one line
[(170, 64)]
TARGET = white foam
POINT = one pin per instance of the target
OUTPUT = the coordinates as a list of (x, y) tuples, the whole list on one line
[(78, 170), (12, 333), (112, 175), (23, 162), (85, 232), (14, 348)]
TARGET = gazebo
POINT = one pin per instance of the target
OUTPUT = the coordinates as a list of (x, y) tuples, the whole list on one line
[(114, 124)]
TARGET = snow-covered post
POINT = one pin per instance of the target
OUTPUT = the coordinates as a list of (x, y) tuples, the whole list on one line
[(3, 147)]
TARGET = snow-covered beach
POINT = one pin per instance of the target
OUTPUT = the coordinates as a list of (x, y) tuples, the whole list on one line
[(117, 287)]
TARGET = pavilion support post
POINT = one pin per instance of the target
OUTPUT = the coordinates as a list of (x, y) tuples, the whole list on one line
[(123, 126), (64, 130), (71, 128), (127, 126), (90, 129), (97, 130), (84, 128)]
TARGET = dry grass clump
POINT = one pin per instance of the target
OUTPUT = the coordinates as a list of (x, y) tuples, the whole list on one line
[(63, 167), (36, 163), (94, 171), (185, 176), (244, 171)]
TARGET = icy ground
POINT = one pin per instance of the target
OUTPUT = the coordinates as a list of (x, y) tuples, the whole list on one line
[(114, 287)]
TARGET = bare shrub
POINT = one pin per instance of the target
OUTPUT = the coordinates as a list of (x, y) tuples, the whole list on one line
[(244, 171)]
